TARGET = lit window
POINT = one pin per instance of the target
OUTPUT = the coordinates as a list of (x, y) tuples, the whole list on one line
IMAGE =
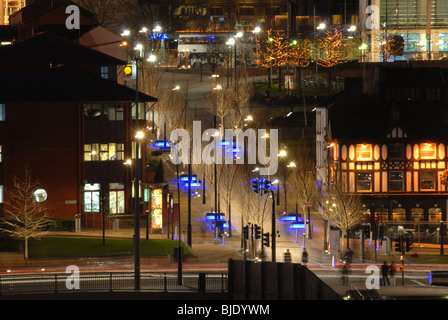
[(364, 181), (427, 180), (103, 151), (92, 197), (1, 194), (105, 72), (363, 152), (428, 151), (116, 201)]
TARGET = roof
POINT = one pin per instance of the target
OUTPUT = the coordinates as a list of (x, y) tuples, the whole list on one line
[(63, 84), (47, 48)]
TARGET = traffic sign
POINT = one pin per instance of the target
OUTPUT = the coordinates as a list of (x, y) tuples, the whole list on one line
[(308, 204)]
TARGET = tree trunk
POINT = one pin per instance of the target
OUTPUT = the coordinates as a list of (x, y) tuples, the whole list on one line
[(25, 250)]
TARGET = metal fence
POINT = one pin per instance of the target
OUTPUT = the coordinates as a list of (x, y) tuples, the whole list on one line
[(425, 235), (111, 282)]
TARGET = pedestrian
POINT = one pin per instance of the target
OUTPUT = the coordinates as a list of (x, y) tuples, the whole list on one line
[(287, 256), (348, 256), (385, 273), (345, 271), (392, 270), (304, 256)]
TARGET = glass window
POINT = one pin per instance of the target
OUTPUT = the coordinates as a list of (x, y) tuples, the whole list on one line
[(435, 214), (428, 151), (92, 197), (396, 180), (363, 152), (116, 201), (395, 151), (1, 194), (141, 111), (105, 72), (1, 154), (364, 181), (103, 152), (427, 180), (398, 214), (2, 112)]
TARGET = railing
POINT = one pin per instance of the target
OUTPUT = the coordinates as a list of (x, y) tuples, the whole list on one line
[(111, 282)]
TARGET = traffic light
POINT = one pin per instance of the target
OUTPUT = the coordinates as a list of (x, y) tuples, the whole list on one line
[(398, 245), (266, 240), (255, 185), (268, 185), (130, 70), (257, 232), (408, 244), (246, 232)]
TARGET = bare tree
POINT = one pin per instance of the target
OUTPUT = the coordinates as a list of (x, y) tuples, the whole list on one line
[(341, 209), (27, 216), (303, 179)]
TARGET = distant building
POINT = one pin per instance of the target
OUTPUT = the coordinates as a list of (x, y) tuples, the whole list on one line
[(421, 24)]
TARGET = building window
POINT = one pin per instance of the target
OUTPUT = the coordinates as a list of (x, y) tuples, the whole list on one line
[(2, 112), (1, 154), (435, 214), (364, 181), (363, 152), (396, 181), (92, 197), (141, 111), (428, 151), (427, 180), (1, 194), (116, 201), (395, 151), (105, 72), (116, 112), (103, 151)]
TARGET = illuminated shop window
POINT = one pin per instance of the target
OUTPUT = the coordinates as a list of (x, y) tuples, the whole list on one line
[(364, 181), (427, 180), (435, 214), (428, 151), (363, 152)]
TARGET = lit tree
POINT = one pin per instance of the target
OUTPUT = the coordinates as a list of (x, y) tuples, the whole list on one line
[(333, 53), (274, 52), (299, 56), (27, 217)]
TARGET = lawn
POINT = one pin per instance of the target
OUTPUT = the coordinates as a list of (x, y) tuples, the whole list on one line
[(65, 247), (428, 259)]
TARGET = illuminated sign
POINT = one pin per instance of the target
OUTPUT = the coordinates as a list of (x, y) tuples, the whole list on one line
[(156, 209)]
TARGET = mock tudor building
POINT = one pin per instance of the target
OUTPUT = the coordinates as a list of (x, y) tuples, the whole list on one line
[(392, 147), (71, 124)]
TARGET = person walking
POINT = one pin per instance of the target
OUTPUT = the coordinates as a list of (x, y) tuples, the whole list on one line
[(345, 271), (304, 256), (287, 256), (385, 273), (392, 270)]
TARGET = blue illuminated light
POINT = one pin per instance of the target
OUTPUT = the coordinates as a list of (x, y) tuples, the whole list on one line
[(211, 217), (162, 144), (297, 226)]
